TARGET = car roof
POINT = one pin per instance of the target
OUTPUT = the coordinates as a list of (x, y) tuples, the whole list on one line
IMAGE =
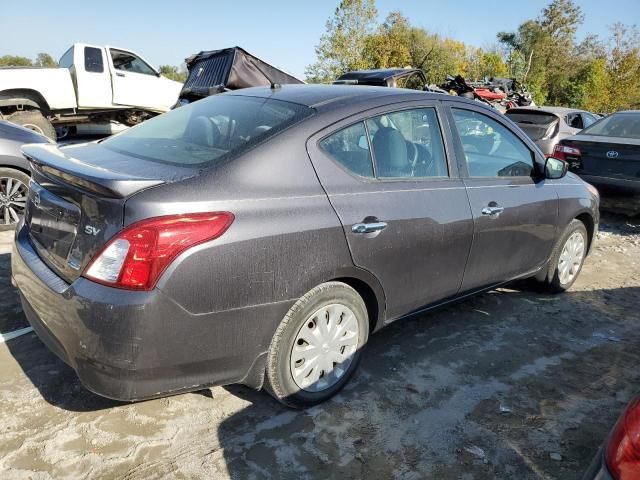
[(328, 97)]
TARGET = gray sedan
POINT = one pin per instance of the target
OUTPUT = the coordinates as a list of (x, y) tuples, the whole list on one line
[(546, 126), (260, 236)]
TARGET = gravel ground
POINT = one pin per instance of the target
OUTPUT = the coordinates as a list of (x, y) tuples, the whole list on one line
[(510, 384)]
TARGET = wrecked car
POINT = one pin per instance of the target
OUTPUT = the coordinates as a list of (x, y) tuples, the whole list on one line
[(216, 71)]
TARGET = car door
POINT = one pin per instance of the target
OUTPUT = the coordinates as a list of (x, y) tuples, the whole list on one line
[(403, 207), (136, 83), (514, 210), (93, 82)]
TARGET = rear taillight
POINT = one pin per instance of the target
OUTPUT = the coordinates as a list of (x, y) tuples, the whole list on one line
[(623, 450), (566, 153), (136, 257)]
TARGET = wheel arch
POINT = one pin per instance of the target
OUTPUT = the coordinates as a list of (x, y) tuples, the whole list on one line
[(25, 97), (369, 288), (589, 223)]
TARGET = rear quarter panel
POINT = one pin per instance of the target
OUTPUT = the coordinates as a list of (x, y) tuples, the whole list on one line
[(285, 238)]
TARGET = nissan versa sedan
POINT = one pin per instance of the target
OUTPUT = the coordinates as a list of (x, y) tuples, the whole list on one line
[(260, 236)]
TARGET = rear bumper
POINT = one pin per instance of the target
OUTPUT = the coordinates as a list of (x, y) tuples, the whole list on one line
[(130, 345), (619, 184)]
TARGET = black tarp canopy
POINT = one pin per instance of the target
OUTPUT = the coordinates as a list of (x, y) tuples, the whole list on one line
[(215, 71)]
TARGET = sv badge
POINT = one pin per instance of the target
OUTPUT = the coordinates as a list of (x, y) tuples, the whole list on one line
[(90, 230)]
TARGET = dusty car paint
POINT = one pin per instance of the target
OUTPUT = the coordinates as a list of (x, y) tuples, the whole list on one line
[(212, 315)]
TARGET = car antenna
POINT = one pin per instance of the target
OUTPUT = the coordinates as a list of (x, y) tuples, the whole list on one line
[(273, 85)]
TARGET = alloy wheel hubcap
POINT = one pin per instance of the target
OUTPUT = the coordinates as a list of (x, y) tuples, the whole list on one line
[(13, 199), (324, 348), (571, 258)]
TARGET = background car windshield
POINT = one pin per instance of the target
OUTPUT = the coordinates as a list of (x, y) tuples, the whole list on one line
[(625, 125), (208, 132)]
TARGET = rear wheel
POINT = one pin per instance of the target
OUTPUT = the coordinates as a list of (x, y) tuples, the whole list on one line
[(567, 258), (34, 120), (14, 186), (317, 346)]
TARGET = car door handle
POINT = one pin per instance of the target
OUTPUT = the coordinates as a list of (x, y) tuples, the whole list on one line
[(368, 227), (492, 210), (120, 74)]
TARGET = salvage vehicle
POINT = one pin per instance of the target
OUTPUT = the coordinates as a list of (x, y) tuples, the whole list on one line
[(619, 457), (548, 125), (261, 235), (217, 71), (91, 85), (607, 153), (14, 172), (411, 78)]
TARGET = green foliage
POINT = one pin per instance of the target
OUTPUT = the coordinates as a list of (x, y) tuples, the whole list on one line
[(541, 53), (341, 47), (173, 73), (42, 60), (45, 60), (594, 75), (13, 61)]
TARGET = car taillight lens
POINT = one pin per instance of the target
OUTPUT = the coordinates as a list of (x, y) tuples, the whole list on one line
[(623, 449), (563, 152), (136, 257)]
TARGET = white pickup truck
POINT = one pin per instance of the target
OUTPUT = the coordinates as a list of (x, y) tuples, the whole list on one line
[(92, 85)]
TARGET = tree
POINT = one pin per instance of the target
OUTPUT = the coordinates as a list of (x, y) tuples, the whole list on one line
[(342, 46), (13, 61), (45, 60), (389, 46), (174, 73)]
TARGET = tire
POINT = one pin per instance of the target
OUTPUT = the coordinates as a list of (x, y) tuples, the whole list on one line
[(555, 281), (343, 309), (14, 186), (34, 120)]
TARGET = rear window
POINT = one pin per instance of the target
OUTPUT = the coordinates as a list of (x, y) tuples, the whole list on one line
[(208, 132), (531, 118), (624, 125)]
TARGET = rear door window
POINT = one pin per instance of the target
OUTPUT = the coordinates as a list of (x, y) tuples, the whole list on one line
[(491, 149), (350, 148), (93, 60)]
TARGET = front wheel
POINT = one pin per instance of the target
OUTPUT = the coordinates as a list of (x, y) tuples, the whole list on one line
[(567, 258), (317, 346)]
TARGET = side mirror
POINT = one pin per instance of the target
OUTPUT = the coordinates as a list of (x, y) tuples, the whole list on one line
[(555, 168)]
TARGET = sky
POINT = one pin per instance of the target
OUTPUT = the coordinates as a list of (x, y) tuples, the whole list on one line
[(281, 32)]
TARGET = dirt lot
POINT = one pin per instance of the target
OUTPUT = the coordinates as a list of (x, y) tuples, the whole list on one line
[(496, 386)]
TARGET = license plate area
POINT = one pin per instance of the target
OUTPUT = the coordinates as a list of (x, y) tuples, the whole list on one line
[(52, 222)]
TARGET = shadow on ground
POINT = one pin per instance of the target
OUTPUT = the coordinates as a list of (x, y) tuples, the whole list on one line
[(487, 388)]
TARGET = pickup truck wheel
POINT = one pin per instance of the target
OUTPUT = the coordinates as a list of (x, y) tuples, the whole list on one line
[(14, 186), (34, 120)]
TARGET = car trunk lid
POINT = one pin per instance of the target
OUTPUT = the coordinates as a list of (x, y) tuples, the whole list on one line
[(77, 197), (613, 157)]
